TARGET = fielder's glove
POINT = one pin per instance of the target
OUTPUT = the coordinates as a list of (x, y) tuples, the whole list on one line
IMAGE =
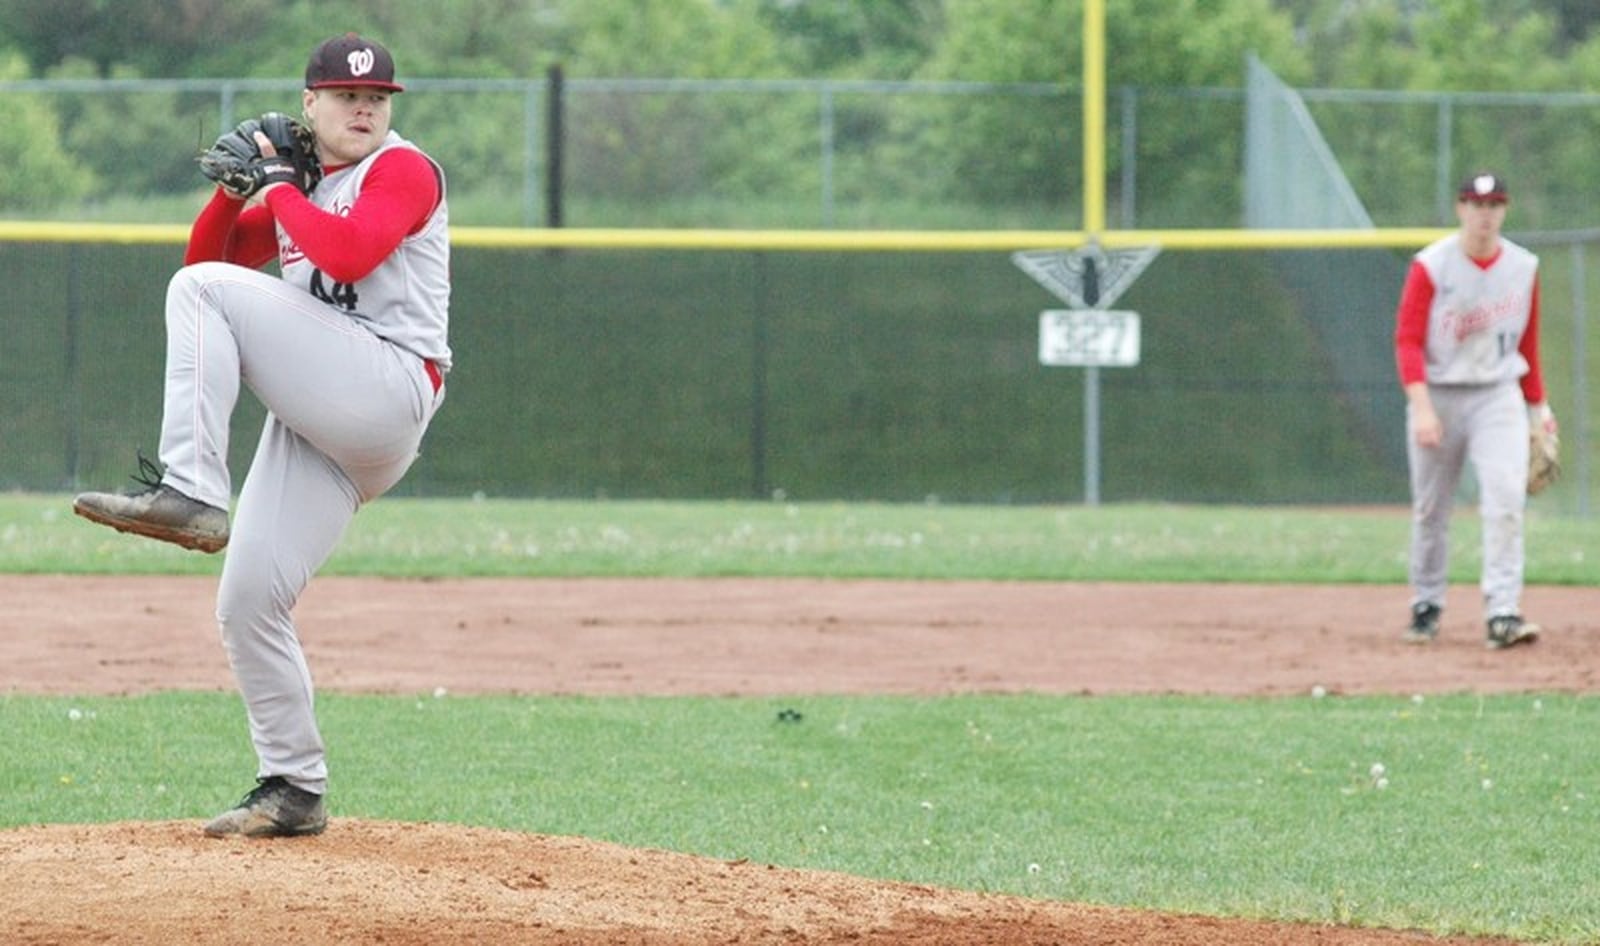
[(236, 161), (1544, 449)]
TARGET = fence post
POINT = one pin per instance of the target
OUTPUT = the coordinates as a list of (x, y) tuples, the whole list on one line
[(555, 142), (530, 152), (758, 378), (826, 134), (1130, 150), (74, 392), (1444, 190), (1580, 373), (225, 106)]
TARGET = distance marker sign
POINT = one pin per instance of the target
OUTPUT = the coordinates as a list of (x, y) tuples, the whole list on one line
[(1088, 338)]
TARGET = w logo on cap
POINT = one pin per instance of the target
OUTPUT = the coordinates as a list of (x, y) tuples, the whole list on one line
[(351, 60), (360, 61)]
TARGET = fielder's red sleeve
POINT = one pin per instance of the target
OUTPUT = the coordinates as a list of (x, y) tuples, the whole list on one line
[(399, 192), (1411, 325), (1532, 382)]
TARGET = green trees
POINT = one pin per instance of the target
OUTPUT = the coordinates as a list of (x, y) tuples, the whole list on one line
[(1017, 149), (39, 171), (1010, 153), (147, 37)]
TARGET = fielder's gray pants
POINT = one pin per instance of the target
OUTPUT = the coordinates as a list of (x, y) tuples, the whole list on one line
[(1486, 425)]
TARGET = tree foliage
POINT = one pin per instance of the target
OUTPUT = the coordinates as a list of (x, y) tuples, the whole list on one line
[(1011, 150), (1153, 42), (887, 39), (147, 37), (1018, 149), (39, 172)]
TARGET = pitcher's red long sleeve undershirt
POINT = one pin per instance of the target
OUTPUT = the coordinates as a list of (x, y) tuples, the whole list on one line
[(400, 191), (1411, 334)]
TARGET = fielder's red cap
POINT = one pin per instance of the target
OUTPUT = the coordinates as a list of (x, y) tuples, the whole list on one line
[(1485, 186), (350, 60)]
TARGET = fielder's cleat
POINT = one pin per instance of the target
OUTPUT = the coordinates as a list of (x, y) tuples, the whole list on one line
[(1424, 623), (158, 512), (273, 809), (1509, 630)]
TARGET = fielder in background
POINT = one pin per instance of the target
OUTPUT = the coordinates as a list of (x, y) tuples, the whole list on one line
[(348, 352), (1467, 349)]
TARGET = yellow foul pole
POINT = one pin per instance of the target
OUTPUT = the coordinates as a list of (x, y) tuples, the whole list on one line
[(1094, 118), (1094, 219)]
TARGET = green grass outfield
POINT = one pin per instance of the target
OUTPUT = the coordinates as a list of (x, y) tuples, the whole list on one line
[(535, 538), (1454, 814)]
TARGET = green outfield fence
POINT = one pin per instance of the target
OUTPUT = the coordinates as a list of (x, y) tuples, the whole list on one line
[(864, 366), (889, 354)]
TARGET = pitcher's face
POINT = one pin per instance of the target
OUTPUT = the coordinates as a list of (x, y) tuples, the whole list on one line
[(350, 123)]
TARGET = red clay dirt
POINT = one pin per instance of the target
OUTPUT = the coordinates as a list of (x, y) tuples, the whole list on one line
[(378, 882)]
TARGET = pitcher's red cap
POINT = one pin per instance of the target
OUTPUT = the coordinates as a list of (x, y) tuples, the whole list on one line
[(350, 60)]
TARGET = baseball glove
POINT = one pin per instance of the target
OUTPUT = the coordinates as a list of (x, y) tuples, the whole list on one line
[(1544, 451), (236, 161)]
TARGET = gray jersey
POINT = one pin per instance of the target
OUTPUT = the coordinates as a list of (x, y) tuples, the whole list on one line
[(406, 300), (1478, 315)]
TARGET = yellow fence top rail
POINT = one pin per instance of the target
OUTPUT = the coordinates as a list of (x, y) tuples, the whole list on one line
[(947, 241)]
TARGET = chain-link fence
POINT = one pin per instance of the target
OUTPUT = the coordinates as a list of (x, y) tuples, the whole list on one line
[(819, 153), (892, 375)]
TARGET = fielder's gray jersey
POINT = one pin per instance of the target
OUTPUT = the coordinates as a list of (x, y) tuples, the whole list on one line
[(1479, 315)]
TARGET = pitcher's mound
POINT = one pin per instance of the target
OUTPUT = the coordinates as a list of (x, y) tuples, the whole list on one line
[(386, 883)]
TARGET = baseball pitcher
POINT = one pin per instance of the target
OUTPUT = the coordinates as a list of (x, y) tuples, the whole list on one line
[(347, 349)]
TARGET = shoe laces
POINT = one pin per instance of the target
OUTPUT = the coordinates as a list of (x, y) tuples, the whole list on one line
[(264, 787), (149, 472)]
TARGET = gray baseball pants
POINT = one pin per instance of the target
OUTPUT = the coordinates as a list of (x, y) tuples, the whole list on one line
[(346, 411), (1486, 425)]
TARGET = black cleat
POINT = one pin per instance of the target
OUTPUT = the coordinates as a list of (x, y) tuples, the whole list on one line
[(1424, 623), (273, 809), (1509, 630), (158, 512)]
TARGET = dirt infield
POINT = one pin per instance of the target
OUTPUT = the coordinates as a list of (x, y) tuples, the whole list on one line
[(368, 882)]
